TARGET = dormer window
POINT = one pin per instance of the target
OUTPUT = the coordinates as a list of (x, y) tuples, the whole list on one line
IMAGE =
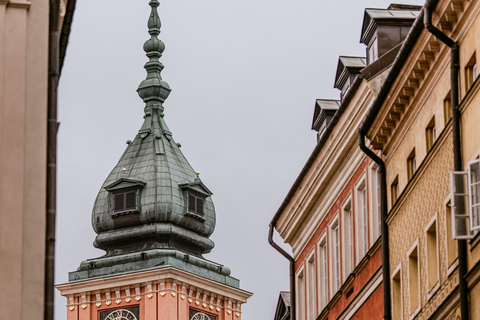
[(196, 194), (124, 196), (124, 201), (195, 203)]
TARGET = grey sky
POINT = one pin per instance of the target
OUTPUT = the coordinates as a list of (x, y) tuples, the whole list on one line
[(244, 78)]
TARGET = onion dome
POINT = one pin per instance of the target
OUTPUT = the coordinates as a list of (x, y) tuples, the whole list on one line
[(153, 199)]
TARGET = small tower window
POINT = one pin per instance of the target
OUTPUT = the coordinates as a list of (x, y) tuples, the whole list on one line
[(125, 201), (195, 204)]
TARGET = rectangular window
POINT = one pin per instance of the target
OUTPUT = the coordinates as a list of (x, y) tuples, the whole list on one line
[(362, 218), (323, 273), (460, 205), (300, 296), (411, 164), (414, 280), (335, 254), (125, 201), (474, 194), (430, 134), (376, 202), (348, 237), (432, 255), (195, 204), (452, 252), (470, 72), (311, 288), (397, 295), (394, 191), (447, 108)]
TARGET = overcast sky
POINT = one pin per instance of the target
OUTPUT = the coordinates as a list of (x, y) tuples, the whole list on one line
[(244, 78)]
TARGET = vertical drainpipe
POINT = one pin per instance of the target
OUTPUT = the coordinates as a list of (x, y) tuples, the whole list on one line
[(292, 266), (457, 153), (384, 229), (53, 74)]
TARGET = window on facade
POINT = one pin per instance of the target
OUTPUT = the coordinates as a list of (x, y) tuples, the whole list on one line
[(323, 273), (432, 255), (335, 254), (362, 218), (376, 202), (413, 278), (348, 237), (411, 164), (311, 288), (397, 295), (470, 72), (373, 52), (124, 201), (300, 296), (474, 194), (447, 108), (465, 199), (430, 134), (452, 252), (394, 191), (195, 204)]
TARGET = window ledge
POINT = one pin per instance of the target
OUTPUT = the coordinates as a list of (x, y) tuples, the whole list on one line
[(195, 216), (415, 313), (361, 264), (474, 241), (434, 290), (452, 267), (124, 212)]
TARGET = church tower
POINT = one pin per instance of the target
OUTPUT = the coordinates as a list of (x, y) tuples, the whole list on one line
[(153, 216)]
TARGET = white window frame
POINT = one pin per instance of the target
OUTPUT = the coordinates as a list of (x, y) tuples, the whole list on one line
[(431, 291), (474, 195), (335, 254), (413, 313), (348, 242), (323, 271), (398, 270), (311, 285), (472, 214), (375, 202), (450, 267), (300, 294), (361, 217)]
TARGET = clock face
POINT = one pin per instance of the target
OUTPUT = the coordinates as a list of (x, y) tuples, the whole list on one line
[(120, 314), (200, 316)]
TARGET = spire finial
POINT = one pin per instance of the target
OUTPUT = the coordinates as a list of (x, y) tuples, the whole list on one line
[(153, 90)]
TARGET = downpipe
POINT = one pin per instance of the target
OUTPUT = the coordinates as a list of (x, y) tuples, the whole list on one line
[(292, 267), (53, 75), (457, 153), (387, 315)]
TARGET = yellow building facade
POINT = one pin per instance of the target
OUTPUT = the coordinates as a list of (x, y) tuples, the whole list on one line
[(412, 126)]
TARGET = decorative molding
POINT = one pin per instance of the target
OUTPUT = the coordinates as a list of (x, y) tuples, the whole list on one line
[(22, 4), (98, 296), (138, 294)]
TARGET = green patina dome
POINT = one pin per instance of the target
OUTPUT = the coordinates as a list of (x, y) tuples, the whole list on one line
[(159, 178)]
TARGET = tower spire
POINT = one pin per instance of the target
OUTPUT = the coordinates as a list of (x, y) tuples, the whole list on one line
[(153, 90)]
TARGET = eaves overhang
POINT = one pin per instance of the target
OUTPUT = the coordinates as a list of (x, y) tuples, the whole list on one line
[(387, 117), (65, 33), (321, 142)]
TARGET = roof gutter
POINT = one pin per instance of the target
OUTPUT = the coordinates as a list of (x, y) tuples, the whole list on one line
[(321, 142), (457, 153)]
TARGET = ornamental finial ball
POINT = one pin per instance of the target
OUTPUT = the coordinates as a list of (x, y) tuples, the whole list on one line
[(198, 173), (124, 170)]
